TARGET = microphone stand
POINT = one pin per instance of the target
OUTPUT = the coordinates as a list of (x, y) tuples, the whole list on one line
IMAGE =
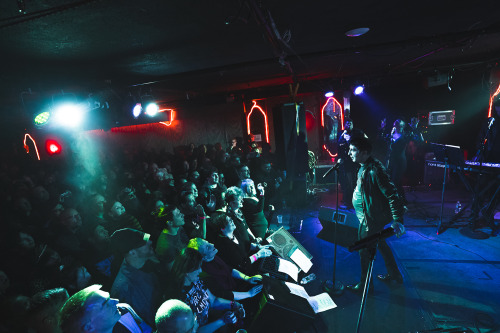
[(372, 252), (369, 243), (335, 288)]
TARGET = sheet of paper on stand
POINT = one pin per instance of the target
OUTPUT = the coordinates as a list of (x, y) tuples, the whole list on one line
[(301, 260), (321, 302), (289, 268), (297, 290)]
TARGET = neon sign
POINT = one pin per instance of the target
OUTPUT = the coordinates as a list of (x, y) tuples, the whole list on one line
[(335, 103), (491, 100), (26, 136), (172, 115), (255, 106)]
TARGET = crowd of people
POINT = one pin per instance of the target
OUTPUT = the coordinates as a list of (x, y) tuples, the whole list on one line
[(145, 241)]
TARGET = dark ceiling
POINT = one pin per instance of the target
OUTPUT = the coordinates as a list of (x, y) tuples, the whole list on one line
[(224, 46)]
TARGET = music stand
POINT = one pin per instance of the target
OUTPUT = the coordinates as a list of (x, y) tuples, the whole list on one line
[(449, 155)]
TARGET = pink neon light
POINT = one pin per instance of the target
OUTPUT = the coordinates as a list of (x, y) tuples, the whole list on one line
[(331, 155), (34, 143), (323, 119), (255, 106), (172, 115), (491, 100), (341, 112)]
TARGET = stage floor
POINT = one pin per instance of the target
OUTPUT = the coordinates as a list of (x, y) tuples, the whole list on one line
[(451, 281)]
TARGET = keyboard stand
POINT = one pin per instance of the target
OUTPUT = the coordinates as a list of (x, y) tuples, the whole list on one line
[(446, 166)]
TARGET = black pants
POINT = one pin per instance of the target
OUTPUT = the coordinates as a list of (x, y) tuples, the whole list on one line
[(385, 251), (397, 169)]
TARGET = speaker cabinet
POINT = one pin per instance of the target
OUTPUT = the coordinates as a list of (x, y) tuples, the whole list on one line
[(320, 171), (434, 173), (289, 122), (347, 227), (283, 242), (281, 311)]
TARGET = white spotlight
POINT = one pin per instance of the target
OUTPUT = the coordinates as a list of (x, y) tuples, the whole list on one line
[(359, 90), (152, 109), (69, 115), (136, 111)]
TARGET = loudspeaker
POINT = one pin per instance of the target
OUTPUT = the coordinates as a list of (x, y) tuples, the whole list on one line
[(434, 173), (281, 311), (347, 227), (283, 242), (289, 121), (320, 170), (297, 197)]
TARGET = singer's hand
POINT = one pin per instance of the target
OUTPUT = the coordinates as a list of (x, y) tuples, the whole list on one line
[(399, 229), (260, 187)]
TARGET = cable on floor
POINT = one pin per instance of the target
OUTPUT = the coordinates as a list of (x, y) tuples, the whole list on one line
[(455, 245)]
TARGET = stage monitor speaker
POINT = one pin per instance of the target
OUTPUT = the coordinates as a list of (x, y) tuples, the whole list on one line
[(347, 228), (281, 311), (283, 242)]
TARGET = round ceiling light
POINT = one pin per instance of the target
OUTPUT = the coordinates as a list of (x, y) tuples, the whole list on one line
[(357, 32)]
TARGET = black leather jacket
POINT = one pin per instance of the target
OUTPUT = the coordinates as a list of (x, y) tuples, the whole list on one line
[(381, 202)]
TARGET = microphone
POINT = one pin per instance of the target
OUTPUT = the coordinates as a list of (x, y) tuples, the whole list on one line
[(492, 120), (334, 167), (372, 240)]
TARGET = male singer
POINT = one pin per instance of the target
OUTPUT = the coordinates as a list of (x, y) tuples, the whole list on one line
[(377, 203), (347, 169)]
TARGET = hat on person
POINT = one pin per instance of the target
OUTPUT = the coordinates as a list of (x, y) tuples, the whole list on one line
[(124, 240)]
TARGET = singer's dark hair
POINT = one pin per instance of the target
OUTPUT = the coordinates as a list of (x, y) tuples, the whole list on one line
[(362, 143)]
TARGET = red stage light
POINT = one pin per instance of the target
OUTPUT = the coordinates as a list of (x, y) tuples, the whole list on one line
[(52, 147), (310, 121)]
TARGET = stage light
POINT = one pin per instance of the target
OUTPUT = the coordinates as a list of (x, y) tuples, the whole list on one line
[(136, 110), (358, 90), (53, 147), (42, 118), (152, 109), (357, 32), (329, 94), (68, 115)]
